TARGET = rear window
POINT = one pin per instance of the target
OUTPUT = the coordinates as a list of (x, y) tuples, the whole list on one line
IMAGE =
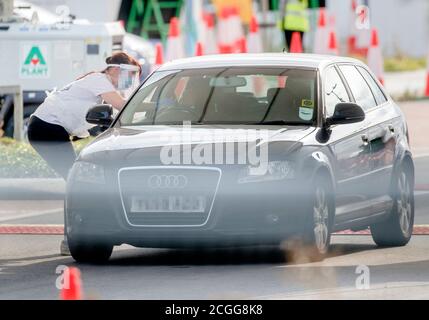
[(378, 94), (225, 95)]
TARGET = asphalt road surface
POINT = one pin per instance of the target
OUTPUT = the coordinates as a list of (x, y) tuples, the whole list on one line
[(29, 263)]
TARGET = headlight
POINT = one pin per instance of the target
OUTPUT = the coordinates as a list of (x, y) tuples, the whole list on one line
[(274, 170), (88, 173)]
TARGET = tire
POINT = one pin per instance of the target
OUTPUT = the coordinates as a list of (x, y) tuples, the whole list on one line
[(322, 209), (318, 223), (64, 246), (86, 251), (397, 229)]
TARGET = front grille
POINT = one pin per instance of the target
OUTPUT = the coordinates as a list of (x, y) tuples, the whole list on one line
[(168, 196)]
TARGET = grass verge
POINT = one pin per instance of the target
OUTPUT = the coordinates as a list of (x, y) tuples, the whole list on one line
[(20, 160)]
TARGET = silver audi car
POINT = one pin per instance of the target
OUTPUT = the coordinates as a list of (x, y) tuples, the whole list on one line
[(243, 150)]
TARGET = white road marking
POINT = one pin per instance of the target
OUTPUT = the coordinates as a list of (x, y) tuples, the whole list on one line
[(378, 291), (420, 193), (421, 155), (31, 261), (30, 215)]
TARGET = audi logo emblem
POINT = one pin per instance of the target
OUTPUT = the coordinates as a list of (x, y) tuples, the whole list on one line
[(167, 181)]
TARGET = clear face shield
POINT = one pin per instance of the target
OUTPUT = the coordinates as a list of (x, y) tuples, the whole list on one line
[(129, 77)]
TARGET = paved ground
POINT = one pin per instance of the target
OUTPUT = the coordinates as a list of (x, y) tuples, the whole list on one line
[(255, 273), (417, 115)]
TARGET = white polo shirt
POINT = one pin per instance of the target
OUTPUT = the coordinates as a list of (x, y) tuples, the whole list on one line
[(68, 107)]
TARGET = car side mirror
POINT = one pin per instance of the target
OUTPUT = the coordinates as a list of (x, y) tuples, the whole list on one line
[(100, 115), (346, 112)]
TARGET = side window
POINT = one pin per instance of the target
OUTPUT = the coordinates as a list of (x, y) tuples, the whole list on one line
[(335, 91), (379, 95), (359, 87)]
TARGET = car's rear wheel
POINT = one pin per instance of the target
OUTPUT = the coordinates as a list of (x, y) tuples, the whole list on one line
[(87, 251), (398, 228)]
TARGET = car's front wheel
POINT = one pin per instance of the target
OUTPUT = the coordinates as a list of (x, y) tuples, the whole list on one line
[(398, 228), (87, 251), (317, 223), (320, 232)]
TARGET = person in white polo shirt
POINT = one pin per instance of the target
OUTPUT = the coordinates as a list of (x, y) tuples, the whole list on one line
[(62, 115)]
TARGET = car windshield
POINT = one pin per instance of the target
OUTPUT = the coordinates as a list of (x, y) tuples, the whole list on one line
[(225, 96)]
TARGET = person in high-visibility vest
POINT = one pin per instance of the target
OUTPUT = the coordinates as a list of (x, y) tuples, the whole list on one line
[(295, 18)]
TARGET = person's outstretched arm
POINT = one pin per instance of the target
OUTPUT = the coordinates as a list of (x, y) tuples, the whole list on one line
[(115, 99)]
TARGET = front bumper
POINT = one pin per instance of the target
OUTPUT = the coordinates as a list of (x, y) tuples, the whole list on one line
[(252, 213)]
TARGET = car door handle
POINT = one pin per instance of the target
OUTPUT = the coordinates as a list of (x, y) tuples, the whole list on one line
[(365, 139), (391, 128)]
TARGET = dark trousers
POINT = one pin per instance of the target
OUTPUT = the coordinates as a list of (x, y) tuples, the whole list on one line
[(288, 37), (52, 143)]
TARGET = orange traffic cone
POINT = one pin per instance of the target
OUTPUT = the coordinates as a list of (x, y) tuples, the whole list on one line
[(427, 79), (427, 85), (225, 36), (175, 48), (159, 57), (296, 43), (242, 45), (210, 35), (199, 49), (333, 46), (73, 285), (321, 35), (254, 40), (237, 28), (375, 57)]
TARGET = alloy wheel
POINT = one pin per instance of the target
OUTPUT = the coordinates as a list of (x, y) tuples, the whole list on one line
[(404, 203), (321, 219)]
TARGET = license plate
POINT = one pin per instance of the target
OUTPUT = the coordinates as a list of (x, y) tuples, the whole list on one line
[(192, 204)]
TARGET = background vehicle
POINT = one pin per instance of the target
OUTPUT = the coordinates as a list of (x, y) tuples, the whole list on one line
[(338, 158), (68, 47)]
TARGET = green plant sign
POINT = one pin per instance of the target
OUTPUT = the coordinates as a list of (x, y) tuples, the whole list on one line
[(34, 61)]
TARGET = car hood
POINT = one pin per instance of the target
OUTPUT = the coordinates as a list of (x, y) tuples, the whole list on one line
[(131, 138), (120, 147)]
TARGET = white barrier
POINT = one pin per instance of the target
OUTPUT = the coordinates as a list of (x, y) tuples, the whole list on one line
[(18, 109)]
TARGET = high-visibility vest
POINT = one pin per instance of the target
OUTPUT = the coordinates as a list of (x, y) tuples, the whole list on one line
[(296, 18)]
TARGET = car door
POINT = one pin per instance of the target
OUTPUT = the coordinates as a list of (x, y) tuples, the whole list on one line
[(377, 136), (351, 149), (383, 133)]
